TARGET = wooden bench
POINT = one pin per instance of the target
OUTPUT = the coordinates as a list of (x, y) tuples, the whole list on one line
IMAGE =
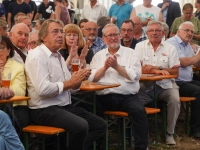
[(122, 116), (43, 131)]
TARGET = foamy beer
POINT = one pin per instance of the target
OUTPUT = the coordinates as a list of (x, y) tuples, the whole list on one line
[(75, 64), (6, 77)]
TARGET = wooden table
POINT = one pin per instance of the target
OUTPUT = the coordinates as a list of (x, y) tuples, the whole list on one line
[(10, 101), (154, 78), (15, 99)]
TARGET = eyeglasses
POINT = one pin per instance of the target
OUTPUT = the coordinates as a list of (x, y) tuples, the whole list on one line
[(115, 35), (2, 48), (128, 30), (20, 33), (91, 29), (71, 35), (56, 31), (188, 30), (152, 31), (33, 43)]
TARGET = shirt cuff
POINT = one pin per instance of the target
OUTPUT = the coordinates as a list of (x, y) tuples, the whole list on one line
[(60, 87)]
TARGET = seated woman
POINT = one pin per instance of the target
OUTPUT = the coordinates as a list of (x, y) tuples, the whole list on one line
[(75, 45), (18, 80)]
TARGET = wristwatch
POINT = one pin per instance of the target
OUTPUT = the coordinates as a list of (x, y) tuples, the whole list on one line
[(160, 68)]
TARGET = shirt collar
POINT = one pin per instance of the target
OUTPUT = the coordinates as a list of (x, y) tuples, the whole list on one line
[(118, 53), (47, 51), (179, 40)]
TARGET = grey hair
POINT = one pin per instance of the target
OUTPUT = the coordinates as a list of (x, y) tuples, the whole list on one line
[(185, 23), (109, 25), (32, 33), (154, 22), (166, 27)]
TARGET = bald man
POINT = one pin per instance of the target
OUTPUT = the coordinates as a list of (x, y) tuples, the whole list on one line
[(91, 32), (19, 37), (138, 33)]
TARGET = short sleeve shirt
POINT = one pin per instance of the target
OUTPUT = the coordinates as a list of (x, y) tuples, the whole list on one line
[(15, 8), (121, 12), (46, 10)]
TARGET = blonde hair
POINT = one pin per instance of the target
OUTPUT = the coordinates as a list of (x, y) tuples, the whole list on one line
[(72, 28)]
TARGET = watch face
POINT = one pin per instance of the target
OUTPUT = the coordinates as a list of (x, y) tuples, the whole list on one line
[(161, 68)]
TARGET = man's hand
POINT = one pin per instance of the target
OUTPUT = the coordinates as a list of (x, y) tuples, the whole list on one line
[(164, 6), (112, 62), (163, 72), (6, 93), (147, 68), (79, 76)]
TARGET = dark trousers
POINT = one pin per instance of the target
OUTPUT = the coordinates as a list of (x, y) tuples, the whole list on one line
[(136, 111), (192, 89), (84, 127)]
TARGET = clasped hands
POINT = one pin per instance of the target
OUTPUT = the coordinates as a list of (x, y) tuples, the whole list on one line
[(111, 62), (146, 69)]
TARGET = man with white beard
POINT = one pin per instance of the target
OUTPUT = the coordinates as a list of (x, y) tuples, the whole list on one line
[(126, 32), (94, 42)]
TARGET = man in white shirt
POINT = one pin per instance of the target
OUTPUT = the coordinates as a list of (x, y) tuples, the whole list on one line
[(49, 84), (160, 57), (93, 11), (115, 64), (19, 37)]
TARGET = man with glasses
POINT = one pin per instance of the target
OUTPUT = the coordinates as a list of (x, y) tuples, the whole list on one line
[(160, 57), (197, 6), (119, 64), (33, 39), (126, 32), (138, 33), (19, 37), (94, 42), (50, 85), (188, 86)]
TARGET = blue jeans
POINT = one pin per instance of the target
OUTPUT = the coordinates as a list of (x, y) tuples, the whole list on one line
[(136, 111), (192, 89), (9, 139), (84, 127)]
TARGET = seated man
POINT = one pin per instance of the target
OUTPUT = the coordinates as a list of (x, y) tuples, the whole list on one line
[(138, 33), (126, 31), (115, 64), (188, 86), (160, 57), (9, 139), (49, 86), (94, 42), (33, 39), (19, 37)]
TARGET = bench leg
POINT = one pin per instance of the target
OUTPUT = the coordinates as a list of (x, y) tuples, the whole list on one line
[(187, 119), (164, 122), (26, 140)]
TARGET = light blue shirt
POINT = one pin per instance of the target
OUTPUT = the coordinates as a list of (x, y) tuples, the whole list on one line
[(121, 12), (184, 50), (164, 13)]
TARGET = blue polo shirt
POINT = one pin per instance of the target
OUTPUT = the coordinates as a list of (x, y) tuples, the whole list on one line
[(121, 12), (184, 50)]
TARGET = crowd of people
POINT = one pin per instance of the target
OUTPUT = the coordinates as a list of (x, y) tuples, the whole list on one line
[(118, 45)]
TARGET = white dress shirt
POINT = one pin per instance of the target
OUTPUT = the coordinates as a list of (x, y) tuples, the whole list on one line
[(45, 78), (166, 56), (128, 59), (93, 14)]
